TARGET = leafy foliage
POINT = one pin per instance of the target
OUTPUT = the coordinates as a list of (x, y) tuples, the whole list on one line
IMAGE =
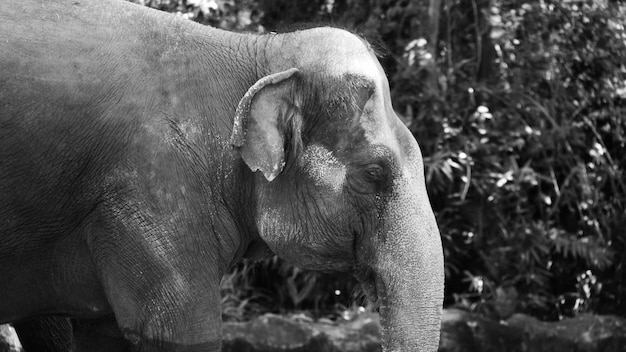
[(274, 286), (519, 107), (526, 168)]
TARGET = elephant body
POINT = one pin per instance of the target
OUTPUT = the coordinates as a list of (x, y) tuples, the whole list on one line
[(142, 154)]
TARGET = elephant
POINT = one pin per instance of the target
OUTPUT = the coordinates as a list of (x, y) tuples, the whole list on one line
[(142, 155), (54, 333)]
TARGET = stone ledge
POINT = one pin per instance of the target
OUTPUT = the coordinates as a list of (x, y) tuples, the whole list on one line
[(273, 333), (461, 332)]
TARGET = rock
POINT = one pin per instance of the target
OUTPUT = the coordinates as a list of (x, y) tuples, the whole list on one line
[(584, 333), (461, 332), (273, 333), (465, 332), (8, 339)]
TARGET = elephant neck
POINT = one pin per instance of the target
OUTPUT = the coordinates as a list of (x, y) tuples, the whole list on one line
[(226, 64)]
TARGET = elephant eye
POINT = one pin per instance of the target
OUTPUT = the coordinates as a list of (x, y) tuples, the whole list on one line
[(369, 178), (374, 172)]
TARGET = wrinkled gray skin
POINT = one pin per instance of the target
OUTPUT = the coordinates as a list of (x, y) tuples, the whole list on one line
[(141, 155)]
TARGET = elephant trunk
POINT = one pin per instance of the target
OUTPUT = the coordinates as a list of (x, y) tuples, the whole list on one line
[(409, 274)]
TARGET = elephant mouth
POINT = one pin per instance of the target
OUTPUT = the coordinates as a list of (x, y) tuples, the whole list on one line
[(369, 283)]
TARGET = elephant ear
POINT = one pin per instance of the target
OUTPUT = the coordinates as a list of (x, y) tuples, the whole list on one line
[(262, 122)]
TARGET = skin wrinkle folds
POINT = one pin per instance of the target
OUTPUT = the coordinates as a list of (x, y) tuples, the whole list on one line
[(161, 317), (274, 228)]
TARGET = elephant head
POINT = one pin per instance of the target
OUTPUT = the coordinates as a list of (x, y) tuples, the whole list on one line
[(341, 185)]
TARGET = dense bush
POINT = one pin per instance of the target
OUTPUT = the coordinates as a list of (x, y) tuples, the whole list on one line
[(520, 109), (273, 285), (527, 167)]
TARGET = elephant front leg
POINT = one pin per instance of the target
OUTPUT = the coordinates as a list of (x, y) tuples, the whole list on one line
[(163, 287), (45, 334), (98, 335)]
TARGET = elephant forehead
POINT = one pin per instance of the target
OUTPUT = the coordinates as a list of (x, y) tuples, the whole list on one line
[(322, 167), (339, 51), (379, 128)]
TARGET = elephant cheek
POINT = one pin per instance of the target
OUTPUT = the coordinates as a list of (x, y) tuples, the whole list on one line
[(322, 169)]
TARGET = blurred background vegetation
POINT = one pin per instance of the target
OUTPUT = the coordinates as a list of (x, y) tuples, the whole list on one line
[(520, 110)]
